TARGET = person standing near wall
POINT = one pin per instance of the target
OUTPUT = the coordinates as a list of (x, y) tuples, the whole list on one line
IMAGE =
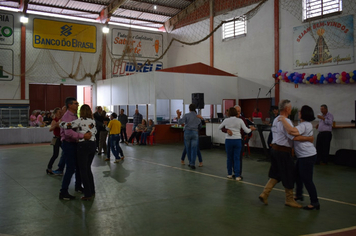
[(99, 123), (137, 119), (324, 137), (123, 119), (102, 137)]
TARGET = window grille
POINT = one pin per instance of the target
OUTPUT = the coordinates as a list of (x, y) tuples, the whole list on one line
[(313, 9), (235, 28)]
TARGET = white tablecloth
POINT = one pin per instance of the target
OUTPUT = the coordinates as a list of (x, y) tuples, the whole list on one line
[(25, 135)]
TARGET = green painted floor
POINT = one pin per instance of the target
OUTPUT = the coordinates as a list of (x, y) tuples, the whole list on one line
[(151, 193)]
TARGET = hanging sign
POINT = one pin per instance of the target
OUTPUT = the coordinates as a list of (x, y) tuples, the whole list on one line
[(6, 64), (58, 35), (143, 44), (127, 68), (6, 29), (324, 43)]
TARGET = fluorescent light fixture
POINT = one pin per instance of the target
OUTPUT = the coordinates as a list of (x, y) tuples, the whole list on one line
[(62, 16), (24, 19), (105, 30), (133, 26), (9, 9), (155, 7)]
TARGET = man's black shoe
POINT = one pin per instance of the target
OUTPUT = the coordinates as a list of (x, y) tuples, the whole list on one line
[(79, 189), (192, 167), (66, 196)]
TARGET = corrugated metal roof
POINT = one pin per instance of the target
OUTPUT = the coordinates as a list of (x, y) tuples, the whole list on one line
[(137, 12)]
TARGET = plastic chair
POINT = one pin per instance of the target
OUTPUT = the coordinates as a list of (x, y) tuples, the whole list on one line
[(151, 139)]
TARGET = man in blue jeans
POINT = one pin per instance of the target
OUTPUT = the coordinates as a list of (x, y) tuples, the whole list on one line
[(192, 124), (69, 140)]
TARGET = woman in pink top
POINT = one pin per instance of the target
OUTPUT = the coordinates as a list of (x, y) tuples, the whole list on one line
[(33, 119), (40, 119)]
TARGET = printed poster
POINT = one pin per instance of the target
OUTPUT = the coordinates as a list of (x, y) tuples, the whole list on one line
[(144, 44), (332, 44), (6, 64), (58, 35), (6, 29), (127, 68)]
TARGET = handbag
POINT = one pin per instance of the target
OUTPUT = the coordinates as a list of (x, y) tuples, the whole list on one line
[(54, 140)]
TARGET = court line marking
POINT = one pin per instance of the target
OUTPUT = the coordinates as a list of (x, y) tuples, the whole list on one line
[(243, 182), (331, 232)]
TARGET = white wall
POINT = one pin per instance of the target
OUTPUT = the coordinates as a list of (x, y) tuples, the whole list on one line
[(339, 98), (145, 88), (252, 59)]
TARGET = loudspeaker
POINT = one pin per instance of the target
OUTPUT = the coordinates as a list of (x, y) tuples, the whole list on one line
[(198, 100)]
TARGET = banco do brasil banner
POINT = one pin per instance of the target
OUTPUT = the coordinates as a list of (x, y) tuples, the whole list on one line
[(57, 35)]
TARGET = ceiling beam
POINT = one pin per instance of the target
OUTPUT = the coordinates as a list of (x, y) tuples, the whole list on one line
[(113, 6), (23, 6), (147, 11), (135, 19), (105, 14), (158, 4), (170, 24), (63, 8)]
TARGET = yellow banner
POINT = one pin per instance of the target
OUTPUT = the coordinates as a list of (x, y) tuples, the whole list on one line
[(64, 36)]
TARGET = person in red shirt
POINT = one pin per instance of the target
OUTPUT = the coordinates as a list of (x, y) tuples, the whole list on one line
[(257, 113)]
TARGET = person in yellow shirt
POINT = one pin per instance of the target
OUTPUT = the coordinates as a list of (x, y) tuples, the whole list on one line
[(114, 128)]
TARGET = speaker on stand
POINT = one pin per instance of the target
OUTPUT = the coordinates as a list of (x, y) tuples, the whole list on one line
[(198, 100)]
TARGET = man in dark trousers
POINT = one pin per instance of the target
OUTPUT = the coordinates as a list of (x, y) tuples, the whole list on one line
[(69, 140), (123, 119), (324, 137), (99, 123)]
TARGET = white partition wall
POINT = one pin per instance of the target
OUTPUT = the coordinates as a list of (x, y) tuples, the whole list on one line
[(181, 86), (146, 88), (120, 93), (104, 88)]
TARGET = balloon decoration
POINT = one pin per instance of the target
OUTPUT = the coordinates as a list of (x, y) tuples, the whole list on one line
[(330, 78)]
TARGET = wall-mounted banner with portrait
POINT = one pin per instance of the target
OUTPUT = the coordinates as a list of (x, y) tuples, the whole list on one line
[(324, 43)]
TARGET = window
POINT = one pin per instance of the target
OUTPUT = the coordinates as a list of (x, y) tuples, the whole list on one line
[(313, 9), (175, 105), (235, 28)]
